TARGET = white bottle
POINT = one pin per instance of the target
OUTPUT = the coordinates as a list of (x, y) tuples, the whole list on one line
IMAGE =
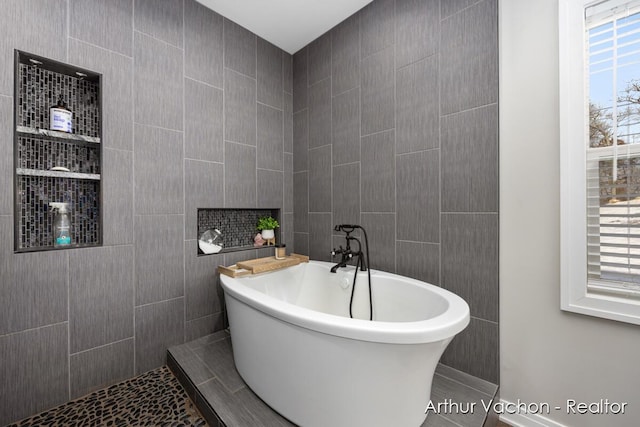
[(61, 225), (61, 117)]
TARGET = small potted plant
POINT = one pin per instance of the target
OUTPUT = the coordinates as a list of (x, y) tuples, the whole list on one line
[(266, 225)]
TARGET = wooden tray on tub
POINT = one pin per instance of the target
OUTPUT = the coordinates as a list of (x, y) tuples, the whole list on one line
[(261, 265)]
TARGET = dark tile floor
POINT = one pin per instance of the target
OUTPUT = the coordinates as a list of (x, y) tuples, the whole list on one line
[(206, 369), (154, 398)]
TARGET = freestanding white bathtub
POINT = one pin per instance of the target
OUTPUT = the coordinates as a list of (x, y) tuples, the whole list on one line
[(297, 348)]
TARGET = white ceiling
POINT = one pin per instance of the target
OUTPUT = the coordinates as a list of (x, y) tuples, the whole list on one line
[(288, 24)]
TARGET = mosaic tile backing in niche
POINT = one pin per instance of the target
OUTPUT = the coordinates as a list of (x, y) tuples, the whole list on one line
[(39, 89), (36, 152), (238, 226), (35, 222)]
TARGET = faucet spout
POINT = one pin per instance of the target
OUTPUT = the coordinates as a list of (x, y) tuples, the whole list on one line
[(346, 256)]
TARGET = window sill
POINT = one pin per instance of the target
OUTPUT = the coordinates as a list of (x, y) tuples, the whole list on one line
[(605, 305)]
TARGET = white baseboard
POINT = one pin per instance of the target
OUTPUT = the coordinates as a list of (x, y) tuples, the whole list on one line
[(526, 420)]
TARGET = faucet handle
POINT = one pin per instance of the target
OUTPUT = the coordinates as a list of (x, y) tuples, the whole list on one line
[(335, 252)]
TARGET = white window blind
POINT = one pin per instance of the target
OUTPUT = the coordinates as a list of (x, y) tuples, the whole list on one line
[(613, 150)]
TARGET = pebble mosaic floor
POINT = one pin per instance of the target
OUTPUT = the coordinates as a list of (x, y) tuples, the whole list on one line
[(155, 398)]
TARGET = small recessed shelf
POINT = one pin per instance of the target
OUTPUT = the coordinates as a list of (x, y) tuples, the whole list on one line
[(57, 174), (238, 226), (55, 134)]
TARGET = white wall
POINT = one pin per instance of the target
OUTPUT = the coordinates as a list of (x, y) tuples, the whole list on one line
[(546, 355)]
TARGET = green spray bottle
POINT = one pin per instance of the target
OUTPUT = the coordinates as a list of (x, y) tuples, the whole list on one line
[(61, 225)]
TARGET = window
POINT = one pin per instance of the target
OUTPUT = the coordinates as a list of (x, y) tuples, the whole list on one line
[(600, 157)]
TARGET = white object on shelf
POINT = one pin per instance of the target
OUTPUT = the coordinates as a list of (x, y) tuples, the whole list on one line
[(209, 248), (210, 241), (268, 234)]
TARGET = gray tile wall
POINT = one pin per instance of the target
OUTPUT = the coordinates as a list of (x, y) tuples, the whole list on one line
[(76, 320), (414, 151)]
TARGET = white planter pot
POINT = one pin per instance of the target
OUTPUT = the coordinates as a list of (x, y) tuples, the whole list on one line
[(267, 234)]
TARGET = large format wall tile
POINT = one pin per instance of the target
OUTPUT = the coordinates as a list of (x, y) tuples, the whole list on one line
[(239, 108), (320, 114), (106, 24), (300, 80), (203, 137), (470, 161), (269, 73), (203, 296), (159, 273), (101, 296), (203, 44), (288, 122), (239, 176), (418, 110), (378, 174), (269, 189), (417, 30), (34, 26), (288, 183), (93, 369), (270, 138), (346, 127), (377, 104), (197, 328), (469, 58), (301, 243), (380, 228), (204, 182), (34, 373), (320, 179), (450, 7), (301, 201), (34, 286), (158, 171), (320, 58), (377, 26), (287, 231), (470, 261), (418, 260), (158, 327), (300, 141), (346, 194), (239, 49), (158, 83), (117, 92), (345, 55), (480, 339), (320, 226), (287, 73), (418, 196), (117, 197), (6, 161), (161, 19)]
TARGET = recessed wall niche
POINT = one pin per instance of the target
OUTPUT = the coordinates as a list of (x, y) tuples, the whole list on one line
[(238, 226), (55, 166)]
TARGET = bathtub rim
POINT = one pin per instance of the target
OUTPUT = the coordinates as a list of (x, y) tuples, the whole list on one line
[(444, 326)]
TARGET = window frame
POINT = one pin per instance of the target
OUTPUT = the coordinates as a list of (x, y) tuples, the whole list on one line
[(577, 295)]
